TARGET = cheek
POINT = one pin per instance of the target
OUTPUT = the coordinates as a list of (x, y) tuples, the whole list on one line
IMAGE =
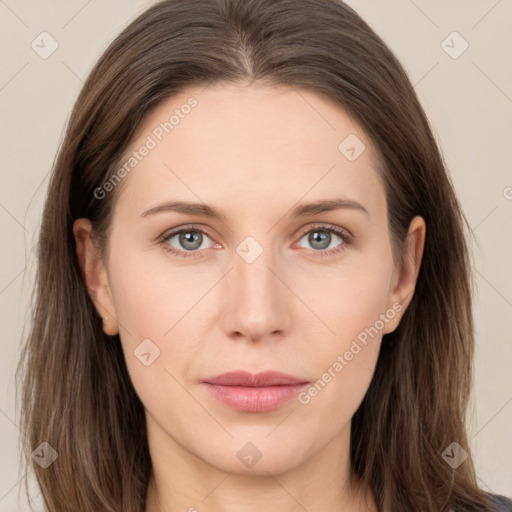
[(164, 303), (147, 307), (152, 295), (350, 297), (353, 303), (167, 304)]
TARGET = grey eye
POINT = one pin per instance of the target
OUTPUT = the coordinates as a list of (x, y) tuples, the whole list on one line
[(188, 239), (320, 239)]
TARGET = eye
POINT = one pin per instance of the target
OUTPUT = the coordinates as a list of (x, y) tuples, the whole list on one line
[(321, 238), (185, 242), (188, 241)]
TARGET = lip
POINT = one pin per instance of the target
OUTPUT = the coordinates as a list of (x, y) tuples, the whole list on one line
[(258, 392)]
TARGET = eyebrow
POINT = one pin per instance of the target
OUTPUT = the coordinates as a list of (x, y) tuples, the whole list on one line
[(327, 205), (302, 210)]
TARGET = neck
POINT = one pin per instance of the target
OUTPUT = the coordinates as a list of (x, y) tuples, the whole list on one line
[(183, 482)]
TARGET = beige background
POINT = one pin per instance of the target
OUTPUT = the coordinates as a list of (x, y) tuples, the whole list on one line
[(468, 100)]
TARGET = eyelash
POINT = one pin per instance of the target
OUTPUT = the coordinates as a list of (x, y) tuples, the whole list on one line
[(324, 253)]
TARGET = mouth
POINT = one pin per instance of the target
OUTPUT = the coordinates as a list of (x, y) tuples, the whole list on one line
[(259, 392)]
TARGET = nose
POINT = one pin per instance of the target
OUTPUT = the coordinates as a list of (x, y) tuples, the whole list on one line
[(258, 303)]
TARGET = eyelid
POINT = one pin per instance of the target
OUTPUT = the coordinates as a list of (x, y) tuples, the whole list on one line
[(195, 227), (173, 231), (328, 227), (343, 233)]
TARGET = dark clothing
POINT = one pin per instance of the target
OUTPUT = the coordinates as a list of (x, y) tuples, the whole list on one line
[(503, 504)]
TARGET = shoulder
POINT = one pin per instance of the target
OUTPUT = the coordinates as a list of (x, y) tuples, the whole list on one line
[(503, 504)]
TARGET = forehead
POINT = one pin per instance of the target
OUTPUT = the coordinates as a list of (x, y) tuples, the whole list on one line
[(262, 141)]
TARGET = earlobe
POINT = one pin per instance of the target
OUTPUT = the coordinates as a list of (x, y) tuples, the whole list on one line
[(408, 274), (110, 326), (95, 275)]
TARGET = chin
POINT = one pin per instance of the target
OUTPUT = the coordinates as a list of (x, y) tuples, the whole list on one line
[(257, 458)]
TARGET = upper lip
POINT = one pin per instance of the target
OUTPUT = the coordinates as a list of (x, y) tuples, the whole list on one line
[(246, 379)]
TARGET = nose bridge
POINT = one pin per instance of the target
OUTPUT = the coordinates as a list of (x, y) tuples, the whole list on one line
[(257, 304), (253, 277)]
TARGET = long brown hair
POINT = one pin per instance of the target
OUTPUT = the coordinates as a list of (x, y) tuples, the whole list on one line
[(76, 391)]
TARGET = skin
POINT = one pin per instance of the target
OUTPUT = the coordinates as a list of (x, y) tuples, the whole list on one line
[(253, 152)]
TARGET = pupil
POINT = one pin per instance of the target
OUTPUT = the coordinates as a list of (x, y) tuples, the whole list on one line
[(188, 240), (320, 236)]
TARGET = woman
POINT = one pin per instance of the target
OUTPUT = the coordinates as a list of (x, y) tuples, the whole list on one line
[(253, 287)]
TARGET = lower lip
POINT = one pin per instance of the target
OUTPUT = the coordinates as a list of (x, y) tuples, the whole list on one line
[(252, 399)]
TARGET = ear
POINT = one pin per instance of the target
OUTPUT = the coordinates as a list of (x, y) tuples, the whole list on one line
[(404, 281), (95, 275)]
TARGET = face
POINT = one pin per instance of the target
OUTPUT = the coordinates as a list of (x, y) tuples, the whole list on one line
[(251, 278)]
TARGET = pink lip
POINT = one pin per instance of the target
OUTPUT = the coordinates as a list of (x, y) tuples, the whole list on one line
[(254, 392)]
